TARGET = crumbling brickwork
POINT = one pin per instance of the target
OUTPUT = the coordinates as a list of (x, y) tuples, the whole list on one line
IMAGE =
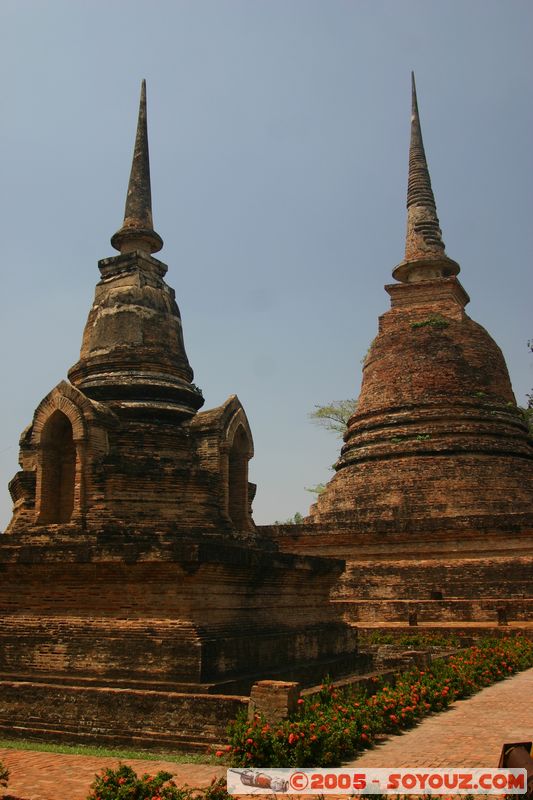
[(432, 500), (436, 432), (135, 586)]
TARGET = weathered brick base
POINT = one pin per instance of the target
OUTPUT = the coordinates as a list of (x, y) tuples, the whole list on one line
[(115, 716), (133, 637), (462, 572)]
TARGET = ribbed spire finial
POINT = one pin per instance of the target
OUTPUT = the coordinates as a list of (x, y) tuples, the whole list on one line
[(424, 249), (419, 191), (137, 232)]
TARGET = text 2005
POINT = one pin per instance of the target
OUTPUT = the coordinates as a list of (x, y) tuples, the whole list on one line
[(330, 780)]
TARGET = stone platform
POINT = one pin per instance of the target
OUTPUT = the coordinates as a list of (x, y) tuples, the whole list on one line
[(465, 572), (130, 637)]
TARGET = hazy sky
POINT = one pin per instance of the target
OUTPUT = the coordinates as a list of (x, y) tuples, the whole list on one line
[(278, 138)]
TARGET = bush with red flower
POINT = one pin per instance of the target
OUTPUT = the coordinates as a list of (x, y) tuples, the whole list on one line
[(333, 725), (123, 783), (4, 775)]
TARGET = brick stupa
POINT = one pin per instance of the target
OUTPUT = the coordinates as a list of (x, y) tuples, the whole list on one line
[(436, 433), (135, 588), (432, 500)]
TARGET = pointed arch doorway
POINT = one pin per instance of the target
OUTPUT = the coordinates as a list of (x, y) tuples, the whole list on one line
[(58, 470)]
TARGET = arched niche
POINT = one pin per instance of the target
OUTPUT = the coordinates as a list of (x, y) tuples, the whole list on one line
[(239, 454), (57, 470)]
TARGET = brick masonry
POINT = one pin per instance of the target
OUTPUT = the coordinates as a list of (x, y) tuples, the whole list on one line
[(432, 500), (136, 590), (469, 734), (132, 567)]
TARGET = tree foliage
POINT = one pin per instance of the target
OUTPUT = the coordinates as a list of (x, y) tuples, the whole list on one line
[(318, 489), (334, 417), (528, 410), (296, 520)]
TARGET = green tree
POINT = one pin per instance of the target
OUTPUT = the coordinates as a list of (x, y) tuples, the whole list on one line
[(528, 410), (318, 489), (296, 520), (334, 417)]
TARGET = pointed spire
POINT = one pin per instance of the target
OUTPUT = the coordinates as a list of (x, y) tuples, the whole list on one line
[(425, 258), (137, 232), (419, 191)]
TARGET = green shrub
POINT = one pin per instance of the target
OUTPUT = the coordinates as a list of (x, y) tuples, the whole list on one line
[(420, 641), (123, 783), (334, 725), (4, 775)]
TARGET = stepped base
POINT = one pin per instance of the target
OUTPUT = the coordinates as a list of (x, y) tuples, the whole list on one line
[(147, 719), (129, 639), (453, 610)]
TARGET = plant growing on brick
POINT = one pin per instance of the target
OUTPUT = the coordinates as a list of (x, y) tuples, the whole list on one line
[(434, 321)]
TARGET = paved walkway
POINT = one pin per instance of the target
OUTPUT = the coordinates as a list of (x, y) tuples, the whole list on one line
[(51, 776), (469, 734)]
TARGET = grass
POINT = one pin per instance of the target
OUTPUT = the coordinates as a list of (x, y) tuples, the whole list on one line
[(418, 640), (103, 752), (434, 321)]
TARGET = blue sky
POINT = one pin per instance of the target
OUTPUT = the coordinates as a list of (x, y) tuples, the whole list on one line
[(278, 135)]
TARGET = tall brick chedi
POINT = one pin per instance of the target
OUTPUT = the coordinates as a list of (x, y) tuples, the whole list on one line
[(120, 442), (432, 501), (436, 439), (135, 586)]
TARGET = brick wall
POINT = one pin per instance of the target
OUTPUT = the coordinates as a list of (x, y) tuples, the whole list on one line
[(192, 611), (115, 716)]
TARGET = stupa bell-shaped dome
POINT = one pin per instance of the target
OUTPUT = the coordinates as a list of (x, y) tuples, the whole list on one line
[(436, 433)]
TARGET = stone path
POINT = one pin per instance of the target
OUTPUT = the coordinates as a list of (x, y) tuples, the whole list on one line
[(51, 776), (469, 734)]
